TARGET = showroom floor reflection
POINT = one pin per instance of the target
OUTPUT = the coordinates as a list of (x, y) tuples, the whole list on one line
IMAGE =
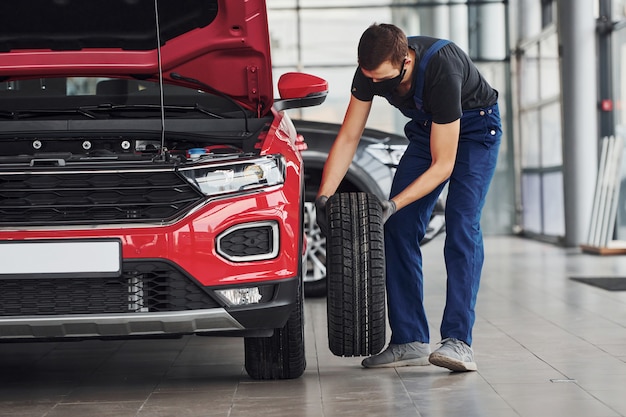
[(545, 345)]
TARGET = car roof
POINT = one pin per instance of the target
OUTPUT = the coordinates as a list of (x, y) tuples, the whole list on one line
[(223, 44)]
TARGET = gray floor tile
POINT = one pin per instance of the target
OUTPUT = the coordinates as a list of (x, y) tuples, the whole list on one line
[(187, 404), (99, 409), (544, 345)]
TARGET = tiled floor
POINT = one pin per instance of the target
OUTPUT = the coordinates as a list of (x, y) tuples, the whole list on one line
[(545, 346)]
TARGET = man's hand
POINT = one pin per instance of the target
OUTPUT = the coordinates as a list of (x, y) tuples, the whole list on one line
[(389, 207), (320, 214)]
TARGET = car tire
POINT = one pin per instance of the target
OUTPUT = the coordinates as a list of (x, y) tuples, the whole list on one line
[(315, 282), (280, 356), (355, 275)]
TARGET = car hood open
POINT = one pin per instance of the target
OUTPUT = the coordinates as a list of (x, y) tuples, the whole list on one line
[(221, 43)]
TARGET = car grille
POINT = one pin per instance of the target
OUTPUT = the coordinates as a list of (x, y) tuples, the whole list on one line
[(249, 242), (145, 286), (90, 198)]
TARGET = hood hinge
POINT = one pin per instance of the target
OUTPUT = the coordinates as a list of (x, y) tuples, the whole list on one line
[(254, 94)]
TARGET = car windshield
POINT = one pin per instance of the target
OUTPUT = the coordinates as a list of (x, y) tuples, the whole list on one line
[(95, 96)]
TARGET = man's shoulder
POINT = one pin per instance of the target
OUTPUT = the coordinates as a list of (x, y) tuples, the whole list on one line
[(361, 86), (421, 42)]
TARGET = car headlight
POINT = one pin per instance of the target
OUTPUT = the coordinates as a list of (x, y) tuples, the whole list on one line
[(387, 154), (234, 176)]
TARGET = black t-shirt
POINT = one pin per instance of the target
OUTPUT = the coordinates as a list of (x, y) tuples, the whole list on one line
[(452, 83)]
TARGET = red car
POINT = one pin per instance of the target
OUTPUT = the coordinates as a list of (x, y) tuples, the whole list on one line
[(150, 183)]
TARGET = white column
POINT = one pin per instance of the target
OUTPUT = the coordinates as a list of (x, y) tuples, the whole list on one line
[(577, 36)]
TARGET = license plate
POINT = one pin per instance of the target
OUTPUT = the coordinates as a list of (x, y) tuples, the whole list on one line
[(85, 258)]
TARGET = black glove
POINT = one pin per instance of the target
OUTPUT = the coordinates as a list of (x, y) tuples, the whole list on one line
[(320, 214), (389, 207)]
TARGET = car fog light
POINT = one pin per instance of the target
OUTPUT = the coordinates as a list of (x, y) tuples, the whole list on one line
[(241, 296)]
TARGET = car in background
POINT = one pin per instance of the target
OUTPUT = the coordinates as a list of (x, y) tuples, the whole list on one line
[(150, 183), (371, 171)]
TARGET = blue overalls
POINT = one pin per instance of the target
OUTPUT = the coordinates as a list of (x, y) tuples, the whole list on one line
[(479, 142)]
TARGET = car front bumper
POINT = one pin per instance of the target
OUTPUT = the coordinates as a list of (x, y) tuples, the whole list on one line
[(253, 319)]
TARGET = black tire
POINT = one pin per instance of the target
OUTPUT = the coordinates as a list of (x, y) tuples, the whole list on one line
[(280, 356), (315, 283), (355, 275)]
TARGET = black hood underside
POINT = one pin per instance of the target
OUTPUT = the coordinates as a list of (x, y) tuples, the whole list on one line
[(79, 24)]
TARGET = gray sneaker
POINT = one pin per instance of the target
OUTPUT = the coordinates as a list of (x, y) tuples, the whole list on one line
[(455, 355), (407, 354)]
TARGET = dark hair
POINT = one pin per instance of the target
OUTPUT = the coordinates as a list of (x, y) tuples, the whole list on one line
[(380, 43)]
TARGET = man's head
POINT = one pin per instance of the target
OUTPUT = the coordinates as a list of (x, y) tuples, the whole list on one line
[(380, 43), (383, 55)]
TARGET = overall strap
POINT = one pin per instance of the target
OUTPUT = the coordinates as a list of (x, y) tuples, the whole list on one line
[(419, 80)]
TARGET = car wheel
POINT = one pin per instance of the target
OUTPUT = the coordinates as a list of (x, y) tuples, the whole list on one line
[(315, 282), (315, 276), (356, 275), (280, 356)]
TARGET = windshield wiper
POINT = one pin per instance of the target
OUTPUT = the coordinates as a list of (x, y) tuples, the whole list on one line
[(116, 107), (25, 114)]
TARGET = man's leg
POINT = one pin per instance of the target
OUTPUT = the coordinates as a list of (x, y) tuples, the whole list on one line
[(409, 344), (464, 252), (403, 232)]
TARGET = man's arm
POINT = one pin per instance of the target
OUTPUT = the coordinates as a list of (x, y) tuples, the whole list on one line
[(345, 145), (444, 142)]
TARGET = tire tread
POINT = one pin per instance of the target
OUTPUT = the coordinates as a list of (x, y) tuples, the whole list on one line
[(356, 275)]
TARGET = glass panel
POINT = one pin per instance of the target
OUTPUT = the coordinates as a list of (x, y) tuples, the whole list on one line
[(272, 4), (496, 75), (553, 206), (549, 68), (330, 31), (82, 86), (529, 77), (336, 3), (621, 205), (530, 19), (331, 38), (619, 10), (531, 203), (530, 149), (488, 44), (95, 97), (619, 92), (283, 26), (551, 138), (619, 80)]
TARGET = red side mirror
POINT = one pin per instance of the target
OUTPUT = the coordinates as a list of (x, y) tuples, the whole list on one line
[(299, 85)]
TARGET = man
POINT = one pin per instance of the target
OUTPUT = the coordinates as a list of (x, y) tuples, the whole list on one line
[(454, 135)]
